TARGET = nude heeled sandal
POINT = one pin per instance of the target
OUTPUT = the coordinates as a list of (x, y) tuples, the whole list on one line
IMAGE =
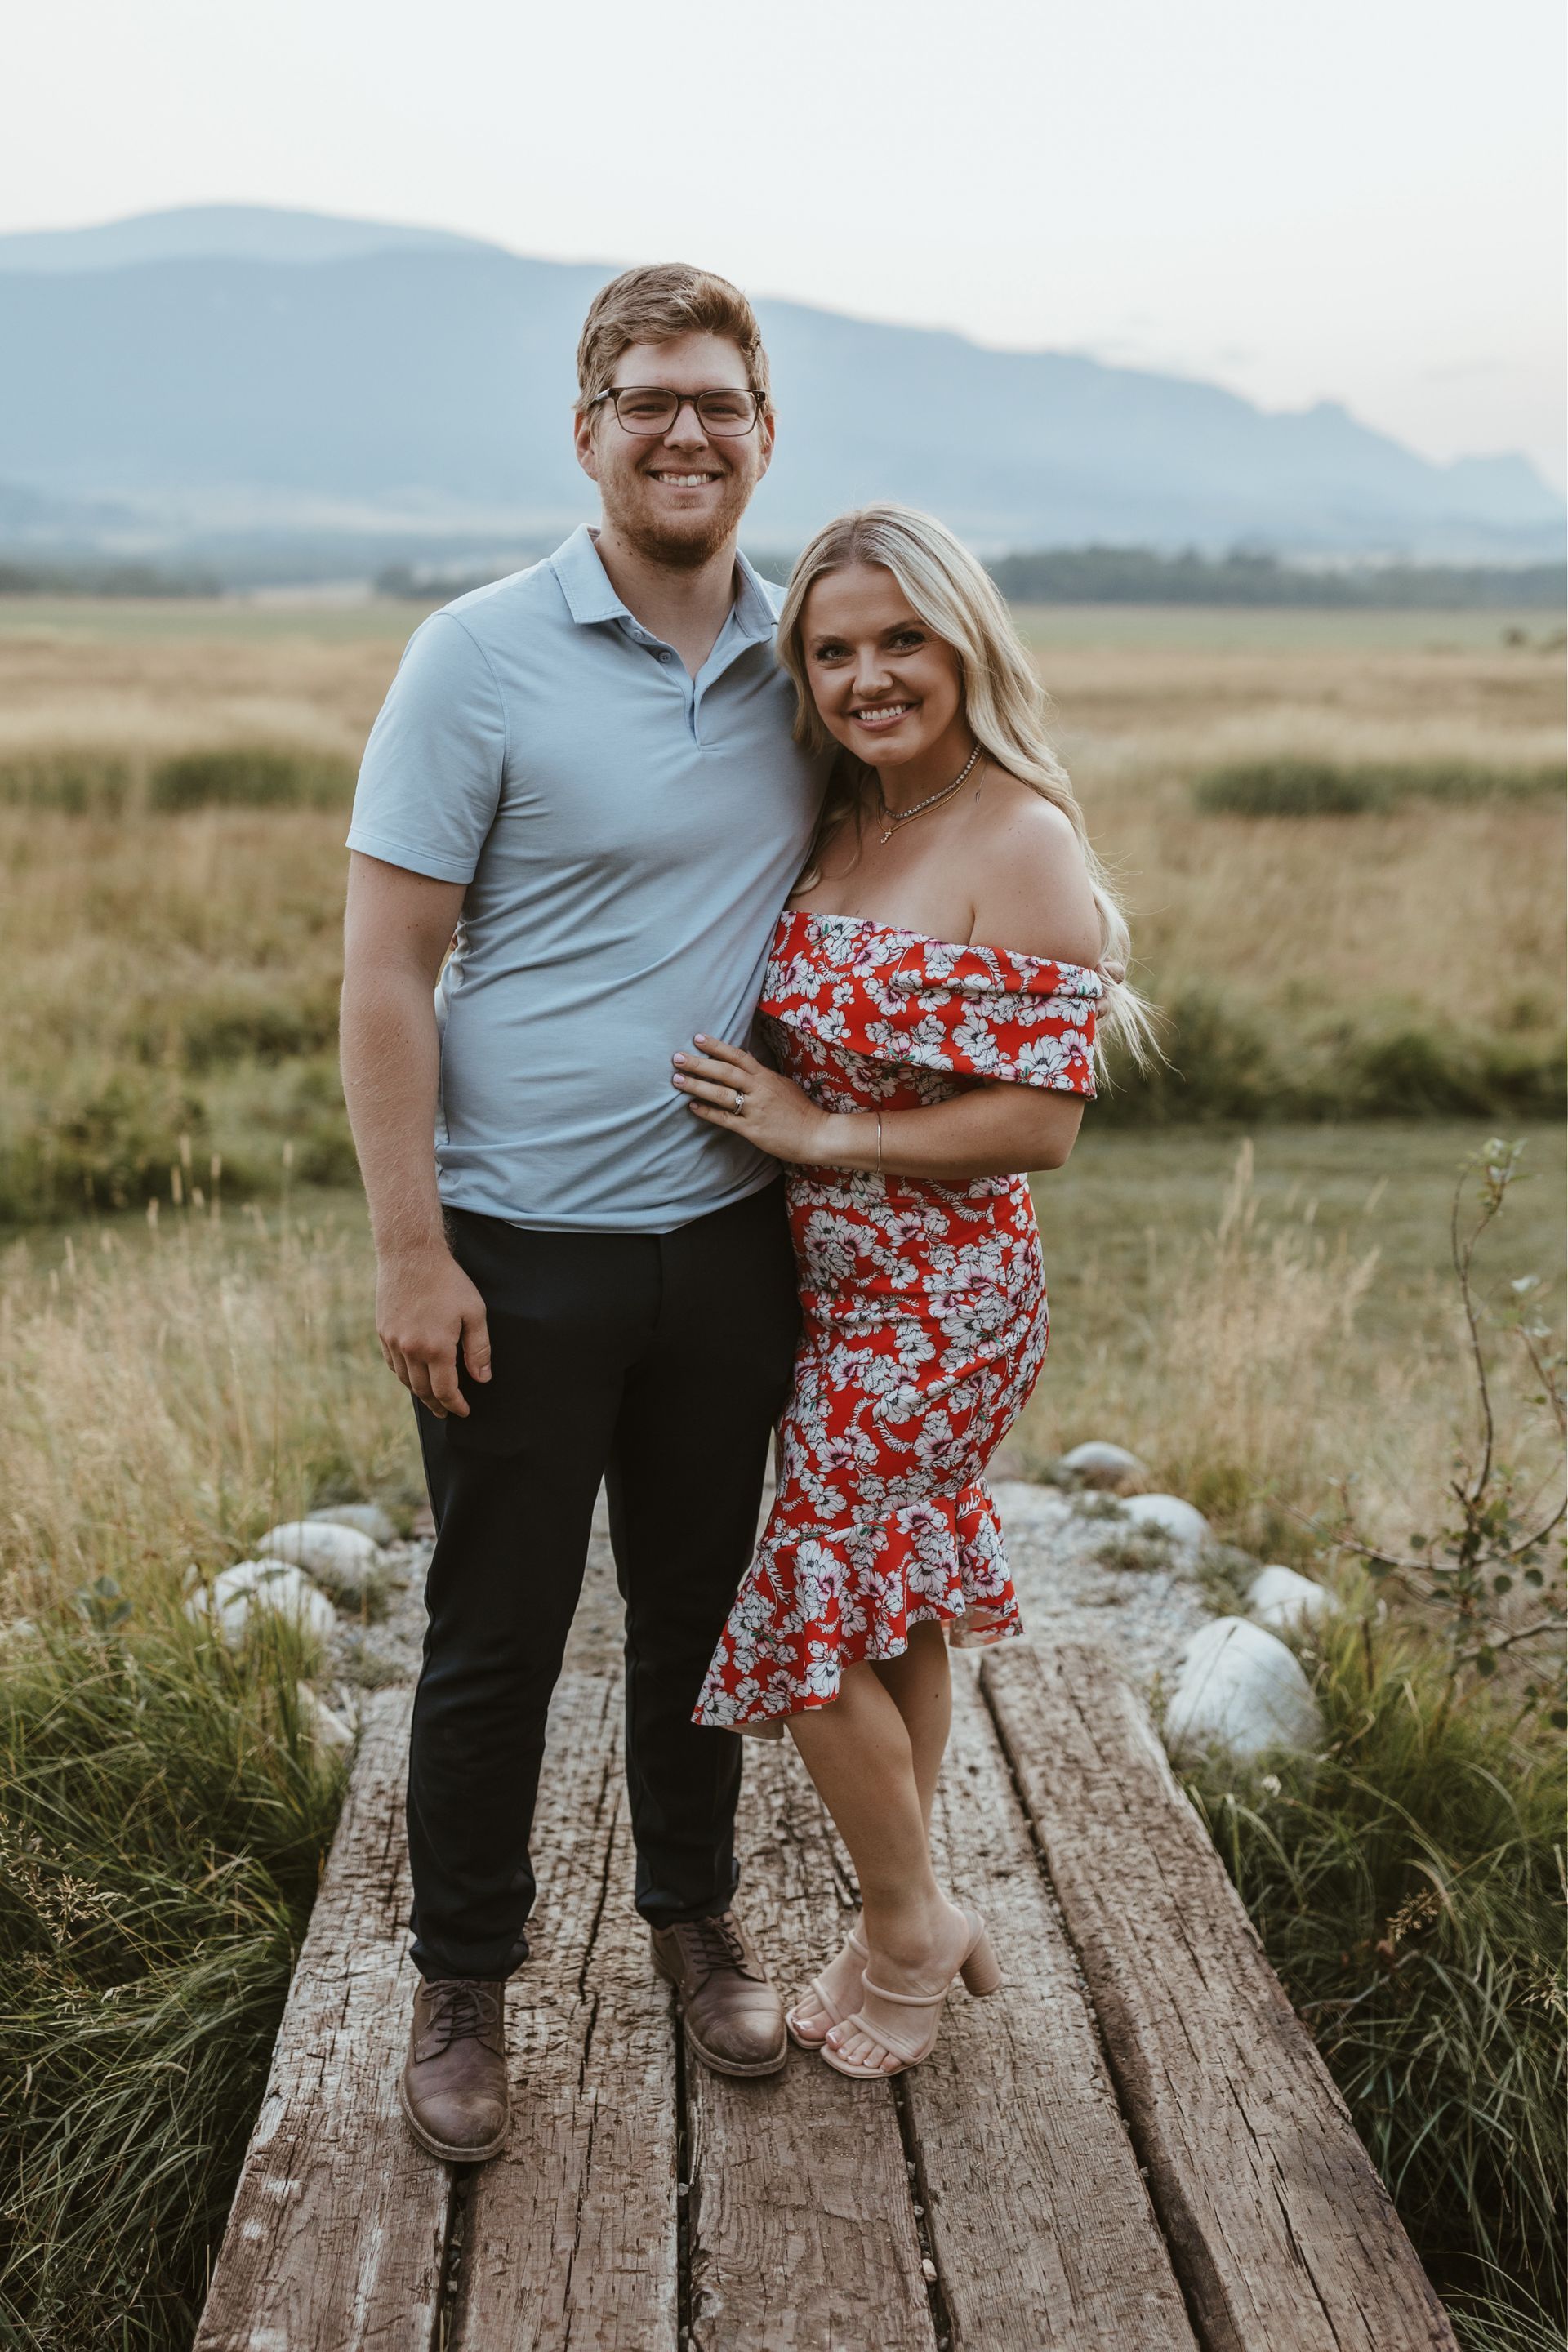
[(818, 1998), (981, 1976)]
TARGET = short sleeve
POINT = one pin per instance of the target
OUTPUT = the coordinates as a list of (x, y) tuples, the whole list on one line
[(1024, 1020), (430, 780), (902, 997)]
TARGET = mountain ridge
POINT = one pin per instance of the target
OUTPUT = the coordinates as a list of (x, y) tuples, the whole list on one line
[(389, 371)]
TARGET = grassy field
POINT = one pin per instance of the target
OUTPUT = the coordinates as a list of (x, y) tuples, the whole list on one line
[(174, 976), (1258, 1302)]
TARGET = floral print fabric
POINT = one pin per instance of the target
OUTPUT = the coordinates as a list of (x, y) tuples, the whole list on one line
[(924, 1312)]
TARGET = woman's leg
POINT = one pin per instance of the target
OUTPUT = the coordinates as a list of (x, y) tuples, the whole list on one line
[(860, 1754), (920, 1686)]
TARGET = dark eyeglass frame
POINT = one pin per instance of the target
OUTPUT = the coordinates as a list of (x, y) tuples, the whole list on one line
[(692, 400)]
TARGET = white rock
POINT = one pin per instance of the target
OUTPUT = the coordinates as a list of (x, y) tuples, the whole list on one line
[(368, 1517), (1240, 1688), (262, 1584), (1280, 1599), (328, 1729), (321, 1546), (1098, 1462), (1173, 1518)]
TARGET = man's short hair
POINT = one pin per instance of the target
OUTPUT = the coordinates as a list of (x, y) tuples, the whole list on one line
[(656, 304)]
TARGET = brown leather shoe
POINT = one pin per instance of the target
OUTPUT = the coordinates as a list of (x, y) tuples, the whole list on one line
[(453, 2088), (734, 2019)]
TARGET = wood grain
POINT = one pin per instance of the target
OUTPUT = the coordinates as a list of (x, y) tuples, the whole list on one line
[(1040, 2222), (802, 2228), (1281, 2230), (570, 2234), (335, 2237)]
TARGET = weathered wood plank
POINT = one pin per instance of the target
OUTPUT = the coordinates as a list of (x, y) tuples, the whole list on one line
[(1039, 2219), (336, 2234), (802, 2236), (1281, 2230), (569, 2236)]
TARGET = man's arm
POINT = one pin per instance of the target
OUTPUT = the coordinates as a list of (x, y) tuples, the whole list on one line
[(396, 929)]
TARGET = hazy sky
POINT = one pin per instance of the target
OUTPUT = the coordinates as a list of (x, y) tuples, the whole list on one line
[(1352, 199)]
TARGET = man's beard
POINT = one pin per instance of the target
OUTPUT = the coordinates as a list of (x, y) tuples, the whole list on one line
[(682, 550)]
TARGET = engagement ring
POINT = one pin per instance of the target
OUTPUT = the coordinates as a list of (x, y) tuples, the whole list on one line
[(740, 1104)]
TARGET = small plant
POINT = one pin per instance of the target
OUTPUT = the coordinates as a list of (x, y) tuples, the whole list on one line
[(1142, 1550), (1496, 1540)]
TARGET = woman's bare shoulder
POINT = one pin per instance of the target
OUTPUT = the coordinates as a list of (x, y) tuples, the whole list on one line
[(1030, 879)]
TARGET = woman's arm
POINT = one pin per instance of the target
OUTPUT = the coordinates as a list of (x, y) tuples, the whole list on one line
[(1000, 1128)]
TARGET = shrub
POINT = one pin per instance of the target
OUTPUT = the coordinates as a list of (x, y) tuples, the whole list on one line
[(163, 1817), (250, 775), (1288, 788), (1325, 788), (78, 783)]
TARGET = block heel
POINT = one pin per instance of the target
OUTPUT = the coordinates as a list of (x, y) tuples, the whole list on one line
[(978, 1968), (981, 1974)]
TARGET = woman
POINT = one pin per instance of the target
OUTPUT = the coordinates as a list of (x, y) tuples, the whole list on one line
[(932, 998)]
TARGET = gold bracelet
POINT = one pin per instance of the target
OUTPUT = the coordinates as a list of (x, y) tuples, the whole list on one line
[(879, 1143)]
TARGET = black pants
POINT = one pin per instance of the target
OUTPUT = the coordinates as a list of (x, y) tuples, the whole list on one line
[(660, 1363)]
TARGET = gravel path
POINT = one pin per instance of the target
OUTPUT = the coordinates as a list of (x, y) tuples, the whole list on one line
[(1078, 1579)]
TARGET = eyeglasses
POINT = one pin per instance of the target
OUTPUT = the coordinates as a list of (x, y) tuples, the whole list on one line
[(650, 408)]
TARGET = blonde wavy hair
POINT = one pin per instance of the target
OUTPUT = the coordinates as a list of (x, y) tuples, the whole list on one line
[(1004, 702)]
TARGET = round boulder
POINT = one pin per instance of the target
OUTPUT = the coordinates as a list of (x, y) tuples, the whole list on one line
[(1280, 1599), (368, 1518), (1111, 1468), (322, 1548), (1240, 1689), (1181, 1522), (272, 1584)]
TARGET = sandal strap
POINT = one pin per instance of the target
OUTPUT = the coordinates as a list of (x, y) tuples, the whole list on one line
[(906, 2051), (910, 2000)]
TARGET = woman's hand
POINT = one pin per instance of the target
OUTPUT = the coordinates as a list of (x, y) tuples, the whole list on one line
[(730, 1088)]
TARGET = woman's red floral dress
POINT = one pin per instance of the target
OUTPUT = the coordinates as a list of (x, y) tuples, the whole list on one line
[(924, 1308)]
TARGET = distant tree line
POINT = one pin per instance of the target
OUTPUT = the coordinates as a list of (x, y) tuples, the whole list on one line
[(1140, 575), (1052, 575), (96, 579)]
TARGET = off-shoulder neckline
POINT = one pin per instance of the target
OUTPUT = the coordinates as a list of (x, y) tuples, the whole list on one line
[(929, 939)]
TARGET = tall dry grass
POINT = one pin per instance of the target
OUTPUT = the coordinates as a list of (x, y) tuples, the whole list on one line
[(166, 1393), (1255, 1361), (175, 975), (169, 1392)]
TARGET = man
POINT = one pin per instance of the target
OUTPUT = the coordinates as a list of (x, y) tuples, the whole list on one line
[(587, 772)]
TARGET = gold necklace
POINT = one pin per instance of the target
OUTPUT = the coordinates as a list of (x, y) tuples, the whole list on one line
[(893, 818)]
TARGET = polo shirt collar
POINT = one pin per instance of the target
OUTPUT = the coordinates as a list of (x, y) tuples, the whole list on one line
[(590, 597)]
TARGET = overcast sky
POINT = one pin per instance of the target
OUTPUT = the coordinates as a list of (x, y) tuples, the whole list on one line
[(1358, 200)]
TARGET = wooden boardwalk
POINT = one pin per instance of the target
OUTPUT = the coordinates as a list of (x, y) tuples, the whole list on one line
[(1135, 2148)]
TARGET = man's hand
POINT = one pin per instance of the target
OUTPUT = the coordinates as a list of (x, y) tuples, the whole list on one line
[(426, 1309)]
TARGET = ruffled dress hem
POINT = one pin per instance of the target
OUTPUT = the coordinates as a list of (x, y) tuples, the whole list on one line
[(855, 1592)]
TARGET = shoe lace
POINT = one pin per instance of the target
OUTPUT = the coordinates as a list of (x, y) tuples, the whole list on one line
[(461, 2007), (719, 1944)]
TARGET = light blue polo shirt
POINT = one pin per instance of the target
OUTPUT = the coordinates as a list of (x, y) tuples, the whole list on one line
[(628, 836)]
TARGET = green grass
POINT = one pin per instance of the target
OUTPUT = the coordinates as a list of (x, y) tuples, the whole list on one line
[(163, 1816), (1124, 1197), (1407, 1887), (250, 775)]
